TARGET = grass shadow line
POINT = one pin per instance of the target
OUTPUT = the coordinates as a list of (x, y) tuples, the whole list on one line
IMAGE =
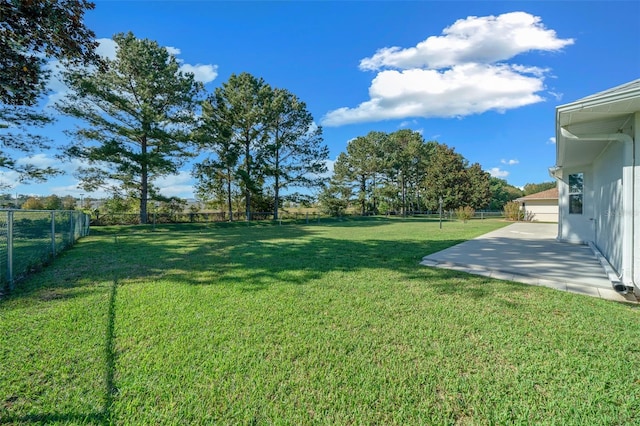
[(109, 348)]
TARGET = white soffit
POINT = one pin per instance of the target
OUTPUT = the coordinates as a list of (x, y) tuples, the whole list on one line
[(602, 113)]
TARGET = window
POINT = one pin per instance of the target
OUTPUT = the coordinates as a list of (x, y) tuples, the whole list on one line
[(575, 193)]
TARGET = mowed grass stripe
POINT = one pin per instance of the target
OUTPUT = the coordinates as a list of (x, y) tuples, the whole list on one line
[(322, 324)]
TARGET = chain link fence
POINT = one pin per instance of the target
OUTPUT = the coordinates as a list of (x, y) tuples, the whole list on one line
[(30, 238), (283, 215), (202, 217)]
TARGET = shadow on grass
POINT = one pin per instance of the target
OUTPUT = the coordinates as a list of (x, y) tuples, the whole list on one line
[(267, 259), (104, 417), (356, 222), (254, 253), (110, 357), (252, 257)]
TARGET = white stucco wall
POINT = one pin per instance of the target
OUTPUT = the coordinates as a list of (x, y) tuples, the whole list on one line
[(608, 203), (608, 124)]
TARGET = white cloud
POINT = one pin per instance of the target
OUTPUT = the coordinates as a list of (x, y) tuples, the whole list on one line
[(106, 48), (65, 185), (39, 160), (462, 90), (551, 141), (62, 185), (75, 190), (485, 39), (313, 127), (173, 50), (497, 172), (459, 73), (55, 84), (556, 95), (202, 73), (509, 162), (8, 179), (408, 123), (179, 185)]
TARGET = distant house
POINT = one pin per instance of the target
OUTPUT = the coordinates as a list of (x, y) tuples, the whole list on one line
[(598, 173), (541, 206)]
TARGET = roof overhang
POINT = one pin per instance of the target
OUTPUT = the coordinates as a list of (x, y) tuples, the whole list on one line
[(584, 128), (525, 199)]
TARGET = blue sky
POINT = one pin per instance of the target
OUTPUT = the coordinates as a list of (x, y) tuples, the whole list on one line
[(483, 77)]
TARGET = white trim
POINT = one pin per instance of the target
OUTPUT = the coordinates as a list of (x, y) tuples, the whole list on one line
[(618, 93)]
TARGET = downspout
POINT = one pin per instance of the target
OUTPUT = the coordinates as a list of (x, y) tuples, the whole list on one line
[(624, 138)]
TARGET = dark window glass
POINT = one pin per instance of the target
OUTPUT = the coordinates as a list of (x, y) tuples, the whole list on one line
[(575, 204), (576, 185)]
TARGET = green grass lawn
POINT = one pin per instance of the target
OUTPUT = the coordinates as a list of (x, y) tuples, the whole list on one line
[(332, 323)]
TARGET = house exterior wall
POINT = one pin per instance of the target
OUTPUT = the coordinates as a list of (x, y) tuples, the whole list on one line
[(599, 136), (576, 228), (608, 203), (611, 204), (541, 210)]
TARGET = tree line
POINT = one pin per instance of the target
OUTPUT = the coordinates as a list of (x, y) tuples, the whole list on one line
[(402, 173)]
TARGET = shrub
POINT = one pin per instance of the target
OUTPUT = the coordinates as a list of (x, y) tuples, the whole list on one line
[(332, 204), (512, 211), (465, 213)]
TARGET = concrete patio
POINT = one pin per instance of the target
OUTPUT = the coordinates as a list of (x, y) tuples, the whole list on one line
[(529, 253)]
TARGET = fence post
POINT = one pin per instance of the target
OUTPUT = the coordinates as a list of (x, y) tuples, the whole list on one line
[(71, 230), (86, 225), (53, 234), (10, 249)]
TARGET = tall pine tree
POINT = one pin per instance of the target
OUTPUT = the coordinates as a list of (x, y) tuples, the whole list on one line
[(217, 174), (138, 111), (293, 155)]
